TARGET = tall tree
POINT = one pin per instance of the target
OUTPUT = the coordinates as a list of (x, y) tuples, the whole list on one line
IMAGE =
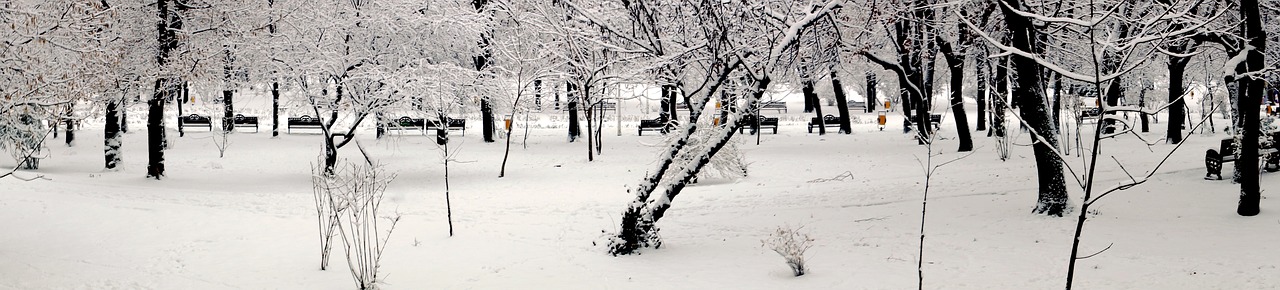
[(1052, 198), (1252, 88), (171, 14)]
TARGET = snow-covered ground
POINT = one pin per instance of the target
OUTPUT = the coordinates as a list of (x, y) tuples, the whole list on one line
[(246, 221)]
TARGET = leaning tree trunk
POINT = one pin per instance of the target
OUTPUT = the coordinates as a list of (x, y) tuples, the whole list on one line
[(1250, 194), (955, 62), (842, 102), (638, 227), (1052, 198), (111, 134)]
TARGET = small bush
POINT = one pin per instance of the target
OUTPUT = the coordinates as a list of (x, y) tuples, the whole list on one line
[(791, 244)]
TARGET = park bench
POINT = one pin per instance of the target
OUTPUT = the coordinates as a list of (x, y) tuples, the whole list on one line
[(194, 120), (450, 124), (1089, 114), (856, 105), (246, 122), (825, 121), (660, 124), (406, 123), (779, 106), (936, 121), (304, 122), (765, 122), (602, 105), (682, 106), (1226, 153)]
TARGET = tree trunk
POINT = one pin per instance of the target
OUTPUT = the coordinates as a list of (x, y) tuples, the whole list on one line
[(228, 111), (842, 102), (955, 62), (1114, 91), (1142, 104), (486, 120), (71, 125), (275, 109), (124, 114), (589, 112), (638, 221), (1177, 104), (1000, 99), (155, 129), (111, 134), (1052, 198), (980, 71), (1250, 193), (811, 96), (183, 99), (572, 97), (872, 102)]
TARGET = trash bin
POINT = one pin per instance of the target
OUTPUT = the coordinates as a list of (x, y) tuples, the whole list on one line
[(881, 120), (508, 122)]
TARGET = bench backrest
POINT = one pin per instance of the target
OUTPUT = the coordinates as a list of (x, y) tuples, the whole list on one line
[(409, 122), (195, 119), (241, 119), (304, 120), (1228, 147)]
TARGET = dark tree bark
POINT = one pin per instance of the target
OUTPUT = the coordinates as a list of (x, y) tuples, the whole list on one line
[(842, 102), (1052, 199), (228, 111), (1142, 103), (955, 62), (482, 64), (810, 104), (537, 95), (111, 134), (572, 97), (170, 22), (181, 100), (1247, 165), (980, 71), (124, 115), (71, 125), (872, 102), (275, 109), (1177, 104), (669, 93), (1000, 99), (811, 96)]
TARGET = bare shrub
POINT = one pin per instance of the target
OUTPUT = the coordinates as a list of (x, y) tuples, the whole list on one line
[(791, 244), (360, 189), (327, 208)]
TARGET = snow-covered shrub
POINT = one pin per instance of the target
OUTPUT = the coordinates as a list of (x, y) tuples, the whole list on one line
[(360, 189), (23, 137), (791, 244)]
